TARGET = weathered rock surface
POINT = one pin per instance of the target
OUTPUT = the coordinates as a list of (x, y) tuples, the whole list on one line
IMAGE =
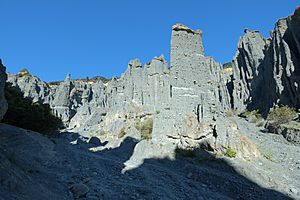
[(31, 86), (3, 103), (290, 131), (247, 63), (137, 123), (198, 94), (267, 71), (187, 100), (35, 167)]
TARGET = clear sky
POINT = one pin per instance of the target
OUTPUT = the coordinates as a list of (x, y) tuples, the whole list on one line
[(95, 37)]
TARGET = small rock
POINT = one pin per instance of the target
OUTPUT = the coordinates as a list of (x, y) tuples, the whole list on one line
[(294, 190), (79, 190), (190, 175), (86, 180), (95, 173)]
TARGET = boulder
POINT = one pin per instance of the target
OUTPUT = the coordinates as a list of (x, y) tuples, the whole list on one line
[(79, 190)]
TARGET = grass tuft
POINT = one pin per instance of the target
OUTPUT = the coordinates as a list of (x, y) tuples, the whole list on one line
[(230, 152)]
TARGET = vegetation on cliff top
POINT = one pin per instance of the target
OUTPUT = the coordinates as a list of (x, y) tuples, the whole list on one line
[(22, 112)]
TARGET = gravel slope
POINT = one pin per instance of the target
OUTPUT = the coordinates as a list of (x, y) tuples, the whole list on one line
[(35, 167)]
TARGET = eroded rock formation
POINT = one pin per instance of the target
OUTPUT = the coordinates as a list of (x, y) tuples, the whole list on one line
[(266, 71), (187, 100)]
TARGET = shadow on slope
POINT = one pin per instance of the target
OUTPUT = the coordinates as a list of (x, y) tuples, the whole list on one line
[(192, 175), (24, 113), (55, 166)]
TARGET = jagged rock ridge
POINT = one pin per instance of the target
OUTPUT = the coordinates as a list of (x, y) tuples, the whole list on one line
[(266, 71), (185, 104), (190, 95)]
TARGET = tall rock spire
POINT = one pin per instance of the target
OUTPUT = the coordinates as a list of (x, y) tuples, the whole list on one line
[(68, 77), (185, 43)]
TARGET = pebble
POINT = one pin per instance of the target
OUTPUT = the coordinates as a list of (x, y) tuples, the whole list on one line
[(79, 190), (294, 190), (190, 175)]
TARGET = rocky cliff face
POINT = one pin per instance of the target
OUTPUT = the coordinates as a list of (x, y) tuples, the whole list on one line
[(187, 100), (247, 63), (31, 86), (181, 107), (198, 96), (3, 103), (267, 71)]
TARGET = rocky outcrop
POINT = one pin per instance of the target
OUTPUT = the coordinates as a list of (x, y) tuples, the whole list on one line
[(247, 63), (290, 131), (144, 86), (266, 71), (198, 96), (31, 86), (3, 103), (186, 101), (65, 100)]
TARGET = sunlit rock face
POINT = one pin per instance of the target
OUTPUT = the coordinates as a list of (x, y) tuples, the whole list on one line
[(247, 63), (198, 95), (196, 81), (267, 71), (3, 103), (31, 86), (187, 100), (145, 86)]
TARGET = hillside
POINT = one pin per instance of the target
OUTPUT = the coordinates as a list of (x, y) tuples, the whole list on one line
[(191, 129)]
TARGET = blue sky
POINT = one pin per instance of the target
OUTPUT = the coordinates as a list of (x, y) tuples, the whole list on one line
[(97, 37)]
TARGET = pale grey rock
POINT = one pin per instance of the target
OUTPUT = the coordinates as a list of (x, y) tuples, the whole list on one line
[(3, 103), (187, 101), (187, 40), (32, 87), (65, 100), (143, 86), (248, 60), (198, 94)]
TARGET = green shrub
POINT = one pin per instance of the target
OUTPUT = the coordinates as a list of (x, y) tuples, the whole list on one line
[(145, 128), (270, 158), (292, 125), (253, 116), (230, 113), (282, 115), (23, 72), (228, 65), (103, 134), (122, 133), (22, 112), (157, 112), (138, 125), (230, 152)]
